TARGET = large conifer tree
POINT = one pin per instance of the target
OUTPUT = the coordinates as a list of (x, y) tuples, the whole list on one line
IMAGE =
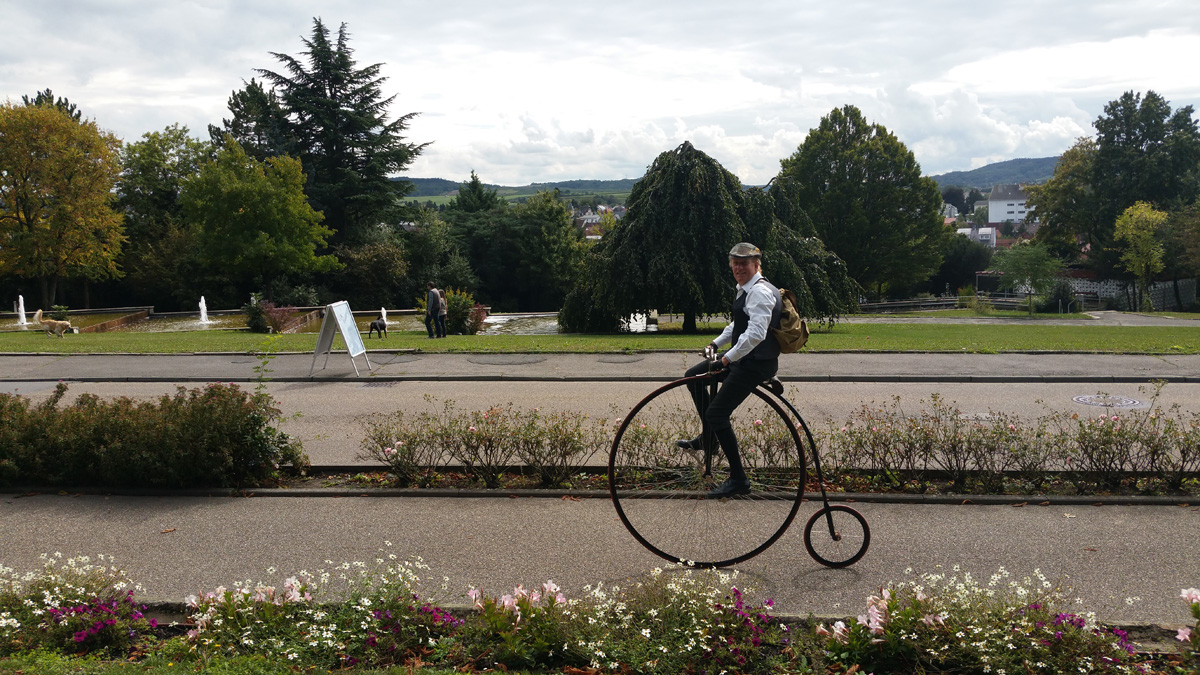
[(337, 121)]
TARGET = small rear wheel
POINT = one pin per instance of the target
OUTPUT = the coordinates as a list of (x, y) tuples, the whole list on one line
[(837, 536)]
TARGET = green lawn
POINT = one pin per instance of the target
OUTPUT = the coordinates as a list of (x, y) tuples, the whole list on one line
[(1033, 336)]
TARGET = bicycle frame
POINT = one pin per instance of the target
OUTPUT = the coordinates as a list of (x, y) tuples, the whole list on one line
[(710, 441)]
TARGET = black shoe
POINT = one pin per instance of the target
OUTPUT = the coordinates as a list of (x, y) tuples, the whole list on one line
[(693, 444), (730, 488)]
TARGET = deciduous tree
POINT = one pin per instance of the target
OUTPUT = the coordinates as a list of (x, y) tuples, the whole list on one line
[(1029, 267), (254, 221), (1138, 227), (1142, 152), (56, 198), (864, 192), (159, 260)]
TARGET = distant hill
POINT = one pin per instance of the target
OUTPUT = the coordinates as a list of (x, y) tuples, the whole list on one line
[(1023, 170), (438, 187)]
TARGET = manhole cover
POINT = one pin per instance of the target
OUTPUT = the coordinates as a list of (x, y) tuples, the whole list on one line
[(506, 359), (1107, 401), (620, 358)]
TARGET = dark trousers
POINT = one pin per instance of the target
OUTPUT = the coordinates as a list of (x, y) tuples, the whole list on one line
[(429, 321), (441, 325), (737, 381)]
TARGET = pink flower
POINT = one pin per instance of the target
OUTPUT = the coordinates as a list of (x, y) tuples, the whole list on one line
[(471, 429), (758, 423), (930, 619), (508, 602), (475, 595), (550, 587), (823, 631), (1190, 594), (840, 632), (1184, 635)]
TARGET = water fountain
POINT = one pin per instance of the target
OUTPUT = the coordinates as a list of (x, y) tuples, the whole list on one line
[(203, 311), (383, 314), (21, 311)]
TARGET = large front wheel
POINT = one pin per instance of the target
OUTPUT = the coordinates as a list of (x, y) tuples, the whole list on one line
[(660, 490)]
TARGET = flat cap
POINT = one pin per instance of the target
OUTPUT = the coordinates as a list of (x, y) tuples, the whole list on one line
[(745, 250)]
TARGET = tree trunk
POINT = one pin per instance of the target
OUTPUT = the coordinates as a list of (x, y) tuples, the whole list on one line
[(49, 286), (689, 321)]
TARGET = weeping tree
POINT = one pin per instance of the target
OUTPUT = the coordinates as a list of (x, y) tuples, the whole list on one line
[(794, 257), (670, 251)]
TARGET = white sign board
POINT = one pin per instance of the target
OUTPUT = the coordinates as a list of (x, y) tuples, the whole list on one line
[(338, 317)]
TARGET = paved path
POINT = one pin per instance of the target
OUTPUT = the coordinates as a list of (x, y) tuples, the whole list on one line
[(176, 546), (179, 545)]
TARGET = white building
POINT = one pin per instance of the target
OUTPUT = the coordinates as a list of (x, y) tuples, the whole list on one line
[(983, 235), (1007, 202)]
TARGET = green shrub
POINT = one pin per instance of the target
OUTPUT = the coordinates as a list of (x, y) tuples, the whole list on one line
[(485, 441), (1061, 298), (256, 317), (219, 435), (464, 316)]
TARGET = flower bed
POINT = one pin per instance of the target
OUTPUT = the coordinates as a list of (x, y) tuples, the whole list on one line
[(678, 620)]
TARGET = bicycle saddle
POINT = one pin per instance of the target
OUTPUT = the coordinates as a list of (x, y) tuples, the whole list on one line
[(774, 385)]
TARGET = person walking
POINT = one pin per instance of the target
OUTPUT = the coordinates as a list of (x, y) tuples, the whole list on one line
[(432, 302), (753, 357), (443, 310)]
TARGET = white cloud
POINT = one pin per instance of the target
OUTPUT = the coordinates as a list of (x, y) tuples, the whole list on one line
[(543, 90)]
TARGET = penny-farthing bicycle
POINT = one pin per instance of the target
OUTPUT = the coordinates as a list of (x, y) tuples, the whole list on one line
[(659, 490)]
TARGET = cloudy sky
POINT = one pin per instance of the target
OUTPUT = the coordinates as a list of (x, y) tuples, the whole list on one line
[(542, 91)]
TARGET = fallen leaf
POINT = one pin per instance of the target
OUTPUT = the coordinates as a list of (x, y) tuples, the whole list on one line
[(1184, 505), (1068, 515), (1044, 504), (512, 496), (569, 498), (967, 501), (1089, 548), (1019, 505), (1098, 504), (170, 529)]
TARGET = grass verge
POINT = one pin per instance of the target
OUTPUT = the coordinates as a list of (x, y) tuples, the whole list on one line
[(881, 337)]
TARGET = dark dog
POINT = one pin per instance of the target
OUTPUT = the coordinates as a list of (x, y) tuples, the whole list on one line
[(378, 325)]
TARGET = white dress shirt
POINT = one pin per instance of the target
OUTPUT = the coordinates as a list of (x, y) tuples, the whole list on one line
[(760, 302)]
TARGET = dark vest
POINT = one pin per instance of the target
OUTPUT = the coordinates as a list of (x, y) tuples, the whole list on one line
[(769, 347)]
